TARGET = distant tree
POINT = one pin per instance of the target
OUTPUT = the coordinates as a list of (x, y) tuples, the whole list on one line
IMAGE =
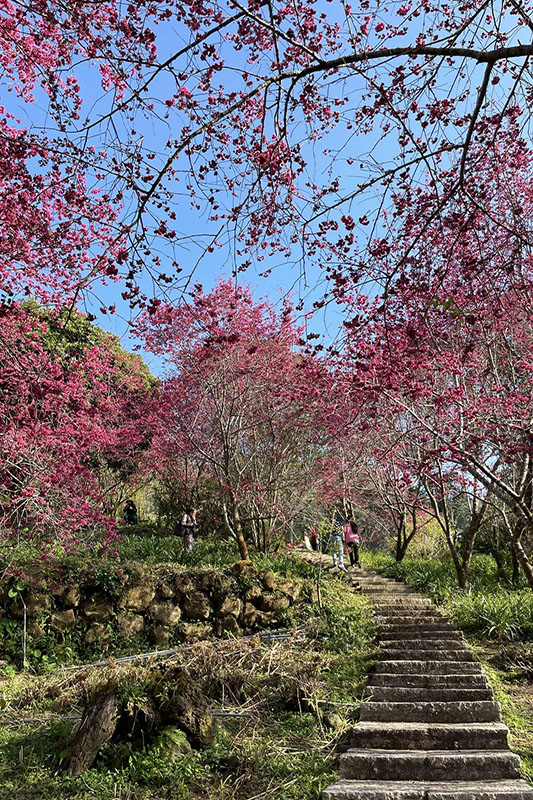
[(241, 405), (62, 420)]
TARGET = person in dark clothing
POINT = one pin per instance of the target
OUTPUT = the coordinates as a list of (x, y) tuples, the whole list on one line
[(314, 540), (130, 513)]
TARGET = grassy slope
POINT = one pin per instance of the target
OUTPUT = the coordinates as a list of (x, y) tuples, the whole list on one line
[(301, 697)]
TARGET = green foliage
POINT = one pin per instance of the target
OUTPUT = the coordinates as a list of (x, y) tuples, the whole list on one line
[(516, 712), (165, 547), (486, 609), (505, 615), (284, 750), (429, 541), (283, 564), (163, 763), (151, 545), (10, 644), (436, 577)]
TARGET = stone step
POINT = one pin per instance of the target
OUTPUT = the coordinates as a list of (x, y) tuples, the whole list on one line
[(420, 667), (396, 602), (407, 616), (454, 711), (431, 643), (405, 610), (383, 586), (401, 606), (426, 623), (414, 597), (435, 765), (421, 790), (390, 591), (431, 681), (420, 634), (401, 694), (425, 627), (421, 653), (432, 736)]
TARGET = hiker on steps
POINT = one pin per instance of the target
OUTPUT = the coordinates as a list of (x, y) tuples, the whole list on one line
[(337, 538), (352, 542)]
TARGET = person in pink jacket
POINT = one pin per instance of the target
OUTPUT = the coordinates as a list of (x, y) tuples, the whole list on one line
[(352, 542)]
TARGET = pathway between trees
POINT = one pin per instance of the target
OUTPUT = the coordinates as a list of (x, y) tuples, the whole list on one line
[(430, 728)]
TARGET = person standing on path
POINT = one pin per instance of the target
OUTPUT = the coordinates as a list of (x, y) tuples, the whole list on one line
[(187, 527), (130, 513), (337, 539), (352, 542)]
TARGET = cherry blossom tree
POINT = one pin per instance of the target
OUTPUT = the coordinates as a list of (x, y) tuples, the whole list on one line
[(241, 404), (449, 350), (292, 129), (62, 420)]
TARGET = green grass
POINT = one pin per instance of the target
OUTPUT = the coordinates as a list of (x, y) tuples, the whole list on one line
[(303, 698), (151, 547), (516, 700), (486, 609)]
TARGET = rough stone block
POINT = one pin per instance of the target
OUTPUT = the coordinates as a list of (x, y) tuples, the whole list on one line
[(129, 624), (231, 606), (273, 602), (71, 598), (63, 620), (165, 613), (97, 633), (197, 606), (137, 598)]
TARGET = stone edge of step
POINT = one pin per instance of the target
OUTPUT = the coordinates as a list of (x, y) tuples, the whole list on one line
[(424, 790)]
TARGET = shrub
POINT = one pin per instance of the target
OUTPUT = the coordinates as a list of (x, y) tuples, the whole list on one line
[(503, 615)]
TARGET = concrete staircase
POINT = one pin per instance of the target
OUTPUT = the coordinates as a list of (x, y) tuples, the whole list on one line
[(430, 728)]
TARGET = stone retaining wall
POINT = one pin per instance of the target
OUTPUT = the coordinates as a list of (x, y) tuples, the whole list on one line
[(175, 606)]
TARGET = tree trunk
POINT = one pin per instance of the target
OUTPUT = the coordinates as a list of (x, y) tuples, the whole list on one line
[(497, 555), (462, 576), (237, 527), (263, 527), (401, 539), (523, 560), (400, 549), (516, 567), (463, 566), (97, 727)]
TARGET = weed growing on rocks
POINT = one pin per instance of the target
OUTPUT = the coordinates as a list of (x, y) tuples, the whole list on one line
[(295, 700)]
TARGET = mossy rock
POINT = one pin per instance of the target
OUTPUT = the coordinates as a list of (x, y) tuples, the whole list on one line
[(63, 620), (129, 624), (273, 602), (244, 569), (137, 598), (231, 606), (197, 606)]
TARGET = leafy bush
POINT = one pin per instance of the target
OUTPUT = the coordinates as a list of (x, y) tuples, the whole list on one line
[(486, 609), (503, 615), (290, 691)]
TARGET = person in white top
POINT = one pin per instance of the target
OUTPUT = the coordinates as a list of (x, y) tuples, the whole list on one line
[(187, 527)]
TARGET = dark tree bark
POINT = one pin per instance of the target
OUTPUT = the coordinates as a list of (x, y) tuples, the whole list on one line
[(97, 727)]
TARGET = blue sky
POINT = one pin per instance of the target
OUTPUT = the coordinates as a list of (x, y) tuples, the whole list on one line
[(285, 277)]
